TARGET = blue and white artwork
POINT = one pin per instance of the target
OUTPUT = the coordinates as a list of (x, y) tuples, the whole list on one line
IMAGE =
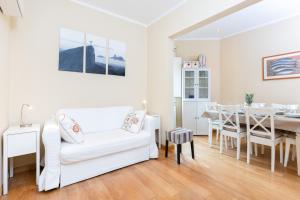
[(71, 50), (117, 60), (95, 54), (282, 66)]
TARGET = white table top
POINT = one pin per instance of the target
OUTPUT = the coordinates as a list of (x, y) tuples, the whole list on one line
[(17, 129), (281, 121), (154, 115)]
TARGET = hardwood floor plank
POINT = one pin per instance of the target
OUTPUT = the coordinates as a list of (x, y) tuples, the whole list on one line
[(161, 188), (210, 176)]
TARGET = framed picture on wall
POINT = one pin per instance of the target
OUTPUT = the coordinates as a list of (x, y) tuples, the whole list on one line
[(95, 54), (281, 66), (71, 49), (116, 60)]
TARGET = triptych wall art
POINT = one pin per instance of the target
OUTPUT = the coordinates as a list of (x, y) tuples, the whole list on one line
[(84, 52)]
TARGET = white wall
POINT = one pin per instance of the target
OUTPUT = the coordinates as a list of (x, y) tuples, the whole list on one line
[(33, 59), (160, 48), (4, 48), (34, 75), (191, 49), (242, 64)]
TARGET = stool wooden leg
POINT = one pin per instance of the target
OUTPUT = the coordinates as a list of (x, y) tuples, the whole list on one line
[(178, 153), (167, 148), (192, 148)]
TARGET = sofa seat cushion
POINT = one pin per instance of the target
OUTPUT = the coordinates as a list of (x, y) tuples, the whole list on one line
[(101, 144)]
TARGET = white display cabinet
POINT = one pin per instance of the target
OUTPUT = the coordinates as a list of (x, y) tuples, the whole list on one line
[(196, 91)]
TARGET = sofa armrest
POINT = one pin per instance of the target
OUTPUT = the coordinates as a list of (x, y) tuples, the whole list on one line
[(51, 138), (149, 126)]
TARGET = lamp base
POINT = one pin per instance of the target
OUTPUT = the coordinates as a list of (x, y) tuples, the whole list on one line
[(25, 125)]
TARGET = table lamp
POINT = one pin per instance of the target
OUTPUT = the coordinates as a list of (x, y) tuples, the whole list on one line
[(29, 107), (144, 102)]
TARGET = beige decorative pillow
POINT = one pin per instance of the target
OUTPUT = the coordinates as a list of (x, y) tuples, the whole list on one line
[(134, 121), (70, 130)]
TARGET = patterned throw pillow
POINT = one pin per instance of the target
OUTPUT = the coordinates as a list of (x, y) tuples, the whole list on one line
[(134, 121), (70, 130)]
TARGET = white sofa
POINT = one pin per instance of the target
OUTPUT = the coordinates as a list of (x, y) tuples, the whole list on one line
[(106, 146)]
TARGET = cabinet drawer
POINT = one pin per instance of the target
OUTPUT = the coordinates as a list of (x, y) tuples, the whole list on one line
[(21, 144)]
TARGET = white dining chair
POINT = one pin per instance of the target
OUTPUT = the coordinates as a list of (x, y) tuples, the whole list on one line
[(258, 105), (257, 132), (213, 124), (289, 140), (291, 108), (229, 116)]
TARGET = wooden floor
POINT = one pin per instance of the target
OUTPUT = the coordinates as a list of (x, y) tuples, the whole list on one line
[(210, 176)]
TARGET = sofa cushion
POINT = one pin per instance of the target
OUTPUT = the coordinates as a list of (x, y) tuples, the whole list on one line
[(95, 120), (101, 144), (134, 121), (70, 130)]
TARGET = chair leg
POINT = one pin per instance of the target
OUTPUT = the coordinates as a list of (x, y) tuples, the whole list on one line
[(287, 152), (231, 141), (210, 130), (249, 149), (293, 152), (217, 136), (167, 148), (238, 143), (262, 149), (235, 143), (192, 149), (178, 153), (226, 144), (273, 158), (221, 142), (255, 149), (281, 152)]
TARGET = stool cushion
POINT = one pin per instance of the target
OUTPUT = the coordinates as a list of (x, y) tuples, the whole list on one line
[(180, 135)]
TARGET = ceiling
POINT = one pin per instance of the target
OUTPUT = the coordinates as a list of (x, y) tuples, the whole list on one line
[(252, 17), (143, 12)]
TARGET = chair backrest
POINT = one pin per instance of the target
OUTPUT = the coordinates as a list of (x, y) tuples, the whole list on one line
[(211, 106), (229, 116), (286, 107), (260, 122)]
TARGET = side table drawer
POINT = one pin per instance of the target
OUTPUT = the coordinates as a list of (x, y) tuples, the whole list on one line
[(21, 144)]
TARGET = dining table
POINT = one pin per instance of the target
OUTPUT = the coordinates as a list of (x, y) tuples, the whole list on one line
[(282, 121)]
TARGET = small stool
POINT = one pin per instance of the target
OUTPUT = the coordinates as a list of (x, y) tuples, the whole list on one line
[(179, 136)]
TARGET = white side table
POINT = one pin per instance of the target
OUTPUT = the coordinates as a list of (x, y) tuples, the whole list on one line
[(20, 141), (157, 129)]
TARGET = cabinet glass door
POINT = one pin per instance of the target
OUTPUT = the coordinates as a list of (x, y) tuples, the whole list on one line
[(189, 87), (203, 85)]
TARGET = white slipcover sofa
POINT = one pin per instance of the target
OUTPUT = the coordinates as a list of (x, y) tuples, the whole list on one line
[(106, 146)]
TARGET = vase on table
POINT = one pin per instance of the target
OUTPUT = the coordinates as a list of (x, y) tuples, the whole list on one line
[(249, 98)]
